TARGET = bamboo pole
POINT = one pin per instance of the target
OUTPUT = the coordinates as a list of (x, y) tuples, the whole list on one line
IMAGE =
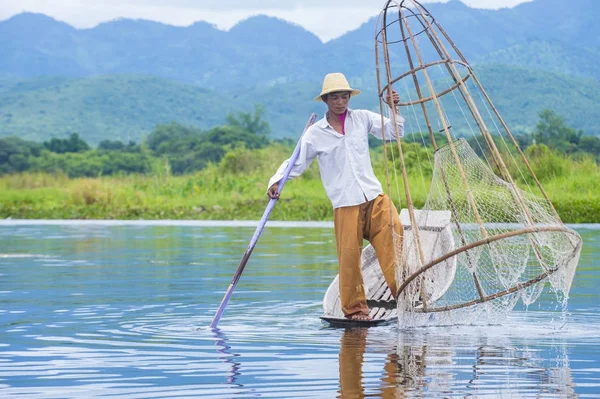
[(259, 229), (504, 125), (470, 197), (446, 60), (387, 168), (444, 178), (485, 131), (410, 206), (514, 191)]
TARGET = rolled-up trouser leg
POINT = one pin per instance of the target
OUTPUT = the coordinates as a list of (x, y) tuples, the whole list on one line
[(379, 231), (349, 237)]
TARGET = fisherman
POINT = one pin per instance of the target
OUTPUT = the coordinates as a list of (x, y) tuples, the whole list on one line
[(361, 210)]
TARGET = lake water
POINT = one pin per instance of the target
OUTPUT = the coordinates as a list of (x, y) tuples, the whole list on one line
[(121, 310)]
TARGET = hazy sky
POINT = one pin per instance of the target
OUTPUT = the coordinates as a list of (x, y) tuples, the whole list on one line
[(326, 18)]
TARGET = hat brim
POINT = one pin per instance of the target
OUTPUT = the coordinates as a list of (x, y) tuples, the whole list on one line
[(353, 92)]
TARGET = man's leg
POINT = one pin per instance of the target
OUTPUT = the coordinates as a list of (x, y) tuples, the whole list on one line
[(348, 237), (353, 346), (379, 230)]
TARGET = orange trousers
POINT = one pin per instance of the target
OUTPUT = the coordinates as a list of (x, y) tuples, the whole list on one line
[(370, 221), (353, 346)]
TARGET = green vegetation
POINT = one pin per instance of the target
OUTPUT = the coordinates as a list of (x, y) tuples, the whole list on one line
[(128, 107), (123, 107), (234, 189), (182, 172), (520, 94), (549, 55)]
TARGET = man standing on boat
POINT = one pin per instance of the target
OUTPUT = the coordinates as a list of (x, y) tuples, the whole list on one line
[(361, 210)]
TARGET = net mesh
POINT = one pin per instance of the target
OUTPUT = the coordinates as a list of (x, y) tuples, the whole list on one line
[(498, 244), (480, 244)]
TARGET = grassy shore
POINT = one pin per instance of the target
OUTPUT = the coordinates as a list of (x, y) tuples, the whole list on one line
[(235, 190)]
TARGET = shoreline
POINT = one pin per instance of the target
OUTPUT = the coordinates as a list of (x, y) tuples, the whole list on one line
[(166, 222), (199, 223)]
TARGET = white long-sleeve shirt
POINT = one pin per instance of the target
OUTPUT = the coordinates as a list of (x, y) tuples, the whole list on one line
[(344, 160)]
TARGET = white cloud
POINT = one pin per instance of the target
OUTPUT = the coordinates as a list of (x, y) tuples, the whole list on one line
[(493, 4), (326, 18)]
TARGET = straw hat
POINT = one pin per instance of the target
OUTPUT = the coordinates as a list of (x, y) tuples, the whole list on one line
[(334, 82)]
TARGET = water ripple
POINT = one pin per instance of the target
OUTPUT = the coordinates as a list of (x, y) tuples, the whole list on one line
[(127, 316)]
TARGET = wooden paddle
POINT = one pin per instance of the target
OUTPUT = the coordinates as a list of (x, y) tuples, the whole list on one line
[(260, 228)]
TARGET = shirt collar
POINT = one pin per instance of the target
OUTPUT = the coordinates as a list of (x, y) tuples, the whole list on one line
[(323, 122)]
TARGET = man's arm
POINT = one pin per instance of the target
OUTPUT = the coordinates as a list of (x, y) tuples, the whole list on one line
[(305, 158), (388, 130)]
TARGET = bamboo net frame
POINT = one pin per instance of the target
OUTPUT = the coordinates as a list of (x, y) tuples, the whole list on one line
[(402, 27)]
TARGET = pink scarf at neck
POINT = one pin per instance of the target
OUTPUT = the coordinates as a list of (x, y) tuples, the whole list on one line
[(343, 121)]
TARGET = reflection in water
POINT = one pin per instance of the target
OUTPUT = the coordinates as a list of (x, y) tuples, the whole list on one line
[(353, 345), (229, 358), (352, 351), (506, 369), (114, 312), (426, 365)]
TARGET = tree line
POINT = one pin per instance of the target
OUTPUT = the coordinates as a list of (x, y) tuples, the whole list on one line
[(551, 131), (177, 149), (173, 147)]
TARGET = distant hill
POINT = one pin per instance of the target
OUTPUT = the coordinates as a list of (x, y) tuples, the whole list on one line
[(548, 56), (127, 107), (121, 78), (258, 50), (114, 107), (553, 35)]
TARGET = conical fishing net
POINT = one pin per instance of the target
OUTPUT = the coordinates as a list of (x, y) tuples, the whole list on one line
[(501, 245), (487, 235)]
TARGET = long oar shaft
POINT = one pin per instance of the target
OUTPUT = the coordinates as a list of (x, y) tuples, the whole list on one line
[(259, 228)]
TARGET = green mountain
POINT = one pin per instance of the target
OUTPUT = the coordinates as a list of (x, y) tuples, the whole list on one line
[(114, 107), (127, 107), (518, 93), (264, 50), (549, 56), (521, 93), (121, 78)]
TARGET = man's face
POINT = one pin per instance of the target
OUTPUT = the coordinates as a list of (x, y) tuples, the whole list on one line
[(337, 102)]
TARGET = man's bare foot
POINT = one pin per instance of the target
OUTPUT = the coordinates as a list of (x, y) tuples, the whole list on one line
[(360, 317)]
